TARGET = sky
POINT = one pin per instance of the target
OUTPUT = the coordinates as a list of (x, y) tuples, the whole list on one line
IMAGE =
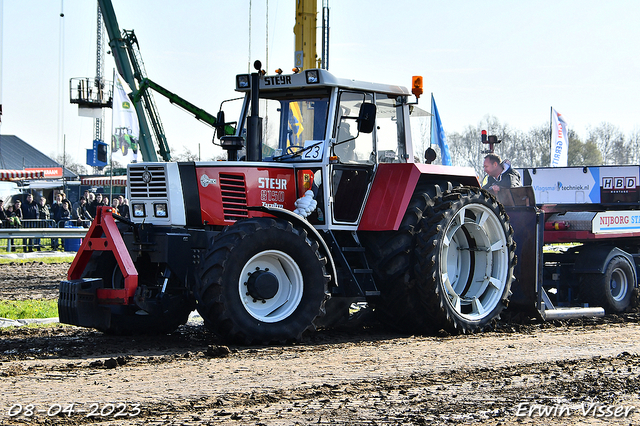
[(509, 59)]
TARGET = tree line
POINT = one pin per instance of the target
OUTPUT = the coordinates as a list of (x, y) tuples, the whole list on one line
[(605, 144)]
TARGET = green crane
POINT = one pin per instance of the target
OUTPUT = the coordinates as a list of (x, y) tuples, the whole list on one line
[(126, 53), (200, 114)]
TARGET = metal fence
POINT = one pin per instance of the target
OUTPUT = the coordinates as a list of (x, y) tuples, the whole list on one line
[(42, 235)]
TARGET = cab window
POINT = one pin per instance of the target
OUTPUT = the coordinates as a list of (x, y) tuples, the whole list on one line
[(350, 146), (390, 132)]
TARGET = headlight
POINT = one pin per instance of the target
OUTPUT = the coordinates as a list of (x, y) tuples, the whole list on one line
[(160, 210), (243, 81), (312, 76), (138, 210)]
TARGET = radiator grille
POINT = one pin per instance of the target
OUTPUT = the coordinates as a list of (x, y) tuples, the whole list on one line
[(155, 188), (234, 196)]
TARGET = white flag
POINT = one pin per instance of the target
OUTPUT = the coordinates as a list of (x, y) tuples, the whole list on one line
[(559, 140), (126, 129)]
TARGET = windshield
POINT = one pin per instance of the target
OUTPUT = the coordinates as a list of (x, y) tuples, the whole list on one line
[(290, 125)]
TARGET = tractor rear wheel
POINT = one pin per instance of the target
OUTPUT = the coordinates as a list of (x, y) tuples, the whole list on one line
[(465, 259), (391, 257), (262, 281)]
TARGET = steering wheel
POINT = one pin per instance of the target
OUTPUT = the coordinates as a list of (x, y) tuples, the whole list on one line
[(289, 149)]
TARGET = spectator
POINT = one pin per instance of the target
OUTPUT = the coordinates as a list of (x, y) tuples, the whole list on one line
[(80, 214), (105, 201), (17, 210), (63, 213), (31, 213), (57, 204), (3, 214), (45, 213), (45, 218), (123, 207), (14, 215), (91, 208), (96, 203), (115, 205), (55, 212)]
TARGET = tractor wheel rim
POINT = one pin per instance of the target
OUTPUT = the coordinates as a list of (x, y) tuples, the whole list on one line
[(290, 286), (618, 285), (475, 265)]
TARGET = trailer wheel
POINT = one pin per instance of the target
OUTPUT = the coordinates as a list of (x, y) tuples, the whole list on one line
[(612, 290), (172, 312), (466, 255), (262, 281)]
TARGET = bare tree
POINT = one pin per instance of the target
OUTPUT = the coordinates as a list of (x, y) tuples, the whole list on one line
[(466, 149), (610, 141), (186, 155), (69, 163), (582, 153), (634, 146)]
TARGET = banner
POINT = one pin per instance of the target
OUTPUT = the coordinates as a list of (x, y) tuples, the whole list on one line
[(559, 140), (126, 129), (437, 134)]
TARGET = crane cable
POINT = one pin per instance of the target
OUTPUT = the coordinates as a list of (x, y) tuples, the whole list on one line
[(249, 58), (60, 77)]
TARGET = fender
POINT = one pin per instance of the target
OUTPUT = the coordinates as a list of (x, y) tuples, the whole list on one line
[(594, 260), (394, 185), (292, 217)]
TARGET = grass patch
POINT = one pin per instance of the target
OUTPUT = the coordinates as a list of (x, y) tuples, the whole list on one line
[(43, 259), (22, 309)]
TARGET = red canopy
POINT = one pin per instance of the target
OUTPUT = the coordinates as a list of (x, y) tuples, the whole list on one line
[(21, 174), (105, 181)]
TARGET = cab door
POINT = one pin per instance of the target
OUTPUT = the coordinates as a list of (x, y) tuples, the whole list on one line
[(353, 159)]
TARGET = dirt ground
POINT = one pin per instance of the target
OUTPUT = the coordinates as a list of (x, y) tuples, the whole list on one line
[(571, 372)]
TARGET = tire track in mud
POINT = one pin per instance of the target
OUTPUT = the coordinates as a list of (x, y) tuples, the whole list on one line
[(311, 383), (449, 397)]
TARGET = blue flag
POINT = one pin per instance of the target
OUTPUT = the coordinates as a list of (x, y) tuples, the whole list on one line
[(437, 134)]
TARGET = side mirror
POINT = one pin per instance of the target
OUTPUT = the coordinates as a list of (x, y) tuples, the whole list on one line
[(430, 155), (367, 118), (220, 123)]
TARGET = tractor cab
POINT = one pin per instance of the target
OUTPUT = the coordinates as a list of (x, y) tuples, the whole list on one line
[(329, 129)]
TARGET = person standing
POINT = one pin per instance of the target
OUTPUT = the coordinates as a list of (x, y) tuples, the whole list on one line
[(16, 220), (80, 214), (55, 213), (95, 204), (45, 217), (3, 214), (91, 208), (116, 206), (123, 207), (30, 213)]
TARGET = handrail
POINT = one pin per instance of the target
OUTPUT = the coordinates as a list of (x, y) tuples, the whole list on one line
[(42, 233), (43, 228)]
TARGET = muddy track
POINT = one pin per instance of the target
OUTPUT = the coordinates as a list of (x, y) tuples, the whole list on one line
[(359, 374)]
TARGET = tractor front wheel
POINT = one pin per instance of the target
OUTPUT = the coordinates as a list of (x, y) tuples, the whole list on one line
[(262, 281)]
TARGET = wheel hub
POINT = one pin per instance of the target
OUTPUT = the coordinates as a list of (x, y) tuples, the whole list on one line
[(262, 285)]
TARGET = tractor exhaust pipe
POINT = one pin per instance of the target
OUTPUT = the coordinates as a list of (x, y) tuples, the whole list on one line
[(254, 121)]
